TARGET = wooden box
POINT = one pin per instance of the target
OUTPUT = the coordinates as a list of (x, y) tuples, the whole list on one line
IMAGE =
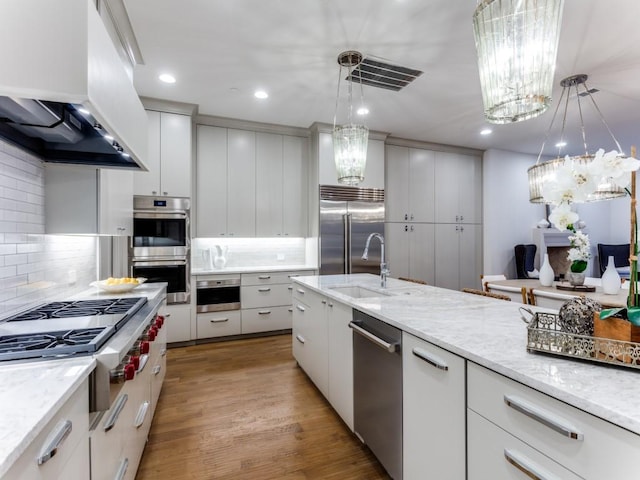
[(616, 329)]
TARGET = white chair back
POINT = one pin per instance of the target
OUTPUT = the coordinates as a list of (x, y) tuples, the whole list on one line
[(593, 281), (490, 278), (542, 298), (516, 294)]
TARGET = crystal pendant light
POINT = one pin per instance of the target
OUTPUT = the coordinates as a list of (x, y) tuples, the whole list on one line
[(349, 140), (543, 172), (516, 42)]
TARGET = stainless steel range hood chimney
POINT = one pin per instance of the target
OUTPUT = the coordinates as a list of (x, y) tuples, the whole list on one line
[(64, 92)]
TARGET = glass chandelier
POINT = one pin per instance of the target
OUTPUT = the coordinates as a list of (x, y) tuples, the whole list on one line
[(516, 42), (349, 140), (541, 173)]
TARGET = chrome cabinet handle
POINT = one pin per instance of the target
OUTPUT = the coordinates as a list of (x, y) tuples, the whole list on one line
[(264, 277), (115, 413), (300, 307), (412, 228), (264, 289), (389, 347), (219, 320), (430, 358), (122, 470), (526, 466), (406, 216), (300, 291), (264, 312), (156, 369), (63, 430), (289, 287), (324, 302), (142, 413), (411, 216), (330, 304), (406, 228), (143, 362), (300, 338), (290, 309), (545, 417)]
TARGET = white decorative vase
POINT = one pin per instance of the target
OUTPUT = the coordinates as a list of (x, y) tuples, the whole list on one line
[(546, 272), (611, 278)]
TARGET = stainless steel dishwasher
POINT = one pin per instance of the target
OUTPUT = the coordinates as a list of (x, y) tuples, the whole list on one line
[(377, 389)]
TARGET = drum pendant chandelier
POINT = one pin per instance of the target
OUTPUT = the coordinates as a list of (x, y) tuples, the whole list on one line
[(349, 140), (516, 43)]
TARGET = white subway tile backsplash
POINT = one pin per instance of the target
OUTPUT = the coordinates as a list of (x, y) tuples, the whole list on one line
[(34, 267)]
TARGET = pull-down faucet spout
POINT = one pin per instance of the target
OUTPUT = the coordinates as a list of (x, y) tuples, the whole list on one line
[(384, 271)]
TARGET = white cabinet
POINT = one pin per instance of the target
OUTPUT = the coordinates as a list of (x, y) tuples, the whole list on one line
[(250, 183), (87, 200), (458, 189), (409, 196), (557, 434), (310, 336), (458, 255), (211, 181), (340, 360), (62, 447), (411, 250), (374, 170), (241, 183), (169, 159), (434, 411), (178, 322)]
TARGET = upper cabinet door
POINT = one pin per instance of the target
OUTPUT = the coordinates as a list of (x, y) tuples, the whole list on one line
[(421, 185), (175, 154), (269, 184), (241, 176), (458, 188), (211, 181), (295, 170), (396, 195), (471, 189), (148, 183), (374, 171)]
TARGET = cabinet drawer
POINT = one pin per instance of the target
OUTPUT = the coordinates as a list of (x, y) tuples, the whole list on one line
[(258, 296), (601, 449), (72, 418), (495, 454), (266, 319), (269, 278), (218, 324)]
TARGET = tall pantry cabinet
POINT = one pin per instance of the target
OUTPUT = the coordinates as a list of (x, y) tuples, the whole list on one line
[(433, 212)]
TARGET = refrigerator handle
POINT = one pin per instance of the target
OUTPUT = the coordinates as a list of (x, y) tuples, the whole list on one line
[(346, 218)]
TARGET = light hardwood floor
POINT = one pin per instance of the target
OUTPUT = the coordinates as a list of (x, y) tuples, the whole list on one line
[(244, 410)]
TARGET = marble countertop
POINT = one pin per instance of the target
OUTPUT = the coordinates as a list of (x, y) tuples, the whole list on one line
[(30, 396), (272, 268), (32, 392), (491, 333)]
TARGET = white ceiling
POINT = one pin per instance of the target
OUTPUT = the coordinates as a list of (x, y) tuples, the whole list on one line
[(222, 50)]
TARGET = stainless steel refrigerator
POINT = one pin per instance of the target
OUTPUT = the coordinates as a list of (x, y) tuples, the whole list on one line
[(347, 216)]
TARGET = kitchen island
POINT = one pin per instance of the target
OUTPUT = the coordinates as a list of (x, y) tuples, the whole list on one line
[(490, 336)]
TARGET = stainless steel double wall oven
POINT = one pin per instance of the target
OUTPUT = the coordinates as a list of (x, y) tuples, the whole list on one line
[(160, 247)]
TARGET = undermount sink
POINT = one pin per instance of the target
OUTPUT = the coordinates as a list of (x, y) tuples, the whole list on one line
[(355, 291)]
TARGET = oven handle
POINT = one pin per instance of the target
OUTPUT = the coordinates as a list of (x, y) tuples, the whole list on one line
[(157, 263), (160, 215), (229, 282)]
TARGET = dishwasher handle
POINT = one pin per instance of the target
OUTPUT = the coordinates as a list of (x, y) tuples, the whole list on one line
[(389, 347)]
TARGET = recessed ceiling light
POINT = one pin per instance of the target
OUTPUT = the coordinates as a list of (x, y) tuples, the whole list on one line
[(167, 78), (261, 94), (561, 144), (363, 111), (486, 131)]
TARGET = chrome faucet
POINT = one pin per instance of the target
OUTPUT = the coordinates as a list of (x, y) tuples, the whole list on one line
[(384, 271)]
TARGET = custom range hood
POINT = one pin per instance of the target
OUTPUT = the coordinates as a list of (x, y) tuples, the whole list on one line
[(65, 94)]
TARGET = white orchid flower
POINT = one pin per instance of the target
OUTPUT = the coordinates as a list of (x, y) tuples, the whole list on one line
[(562, 215), (614, 167), (573, 183)]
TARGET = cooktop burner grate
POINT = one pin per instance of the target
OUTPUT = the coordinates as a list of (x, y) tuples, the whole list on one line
[(59, 343), (82, 308)]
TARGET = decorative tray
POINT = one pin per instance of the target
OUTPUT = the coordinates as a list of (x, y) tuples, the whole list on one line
[(575, 288), (547, 333)]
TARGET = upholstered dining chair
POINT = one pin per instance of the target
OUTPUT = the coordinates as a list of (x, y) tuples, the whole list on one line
[(517, 294), (525, 256), (543, 298), (486, 294), (620, 254), (484, 279)]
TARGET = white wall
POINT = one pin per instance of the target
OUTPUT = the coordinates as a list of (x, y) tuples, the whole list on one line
[(33, 266), (508, 217)]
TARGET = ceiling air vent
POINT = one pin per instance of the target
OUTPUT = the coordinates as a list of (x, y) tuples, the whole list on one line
[(383, 75)]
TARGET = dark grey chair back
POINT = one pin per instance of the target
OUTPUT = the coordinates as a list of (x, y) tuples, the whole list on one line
[(525, 256), (620, 254)]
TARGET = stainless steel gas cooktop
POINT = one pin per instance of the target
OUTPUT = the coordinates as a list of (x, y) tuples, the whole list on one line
[(65, 328)]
